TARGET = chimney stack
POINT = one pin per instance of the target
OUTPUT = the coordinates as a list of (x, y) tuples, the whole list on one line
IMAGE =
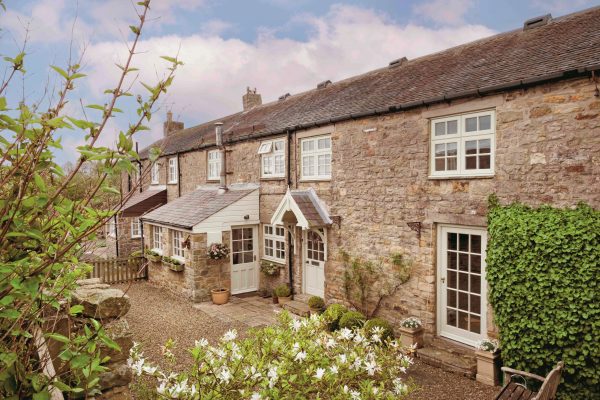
[(251, 99), (170, 126)]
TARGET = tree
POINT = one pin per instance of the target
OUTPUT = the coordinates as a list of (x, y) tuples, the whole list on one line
[(43, 224)]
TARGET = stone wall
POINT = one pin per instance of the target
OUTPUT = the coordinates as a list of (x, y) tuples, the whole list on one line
[(126, 242), (547, 151)]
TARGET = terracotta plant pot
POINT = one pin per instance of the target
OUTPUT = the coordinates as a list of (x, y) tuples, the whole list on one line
[(275, 300), (283, 300), (488, 367), (220, 296), (411, 337)]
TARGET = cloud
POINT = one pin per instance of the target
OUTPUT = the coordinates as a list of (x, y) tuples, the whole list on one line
[(444, 12), (559, 7)]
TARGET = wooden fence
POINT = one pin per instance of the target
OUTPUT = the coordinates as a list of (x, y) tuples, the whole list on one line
[(120, 270)]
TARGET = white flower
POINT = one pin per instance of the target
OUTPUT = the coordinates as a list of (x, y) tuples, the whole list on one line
[(334, 369), (378, 330), (161, 389), (320, 372), (229, 335), (331, 343), (272, 374), (296, 325), (375, 338), (224, 375), (371, 367), (149, 370), (399, 387), (359, 338), (355, 395), (201, 343), (345, 333), (343, 358), (346, 389), (137, 367), (300, 356), (256, 396)]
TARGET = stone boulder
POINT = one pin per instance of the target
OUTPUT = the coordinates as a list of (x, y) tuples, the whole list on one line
[(118, 330), (102, 302)]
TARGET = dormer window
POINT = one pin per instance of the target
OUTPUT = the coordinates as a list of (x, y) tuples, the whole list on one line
[(272, 159)]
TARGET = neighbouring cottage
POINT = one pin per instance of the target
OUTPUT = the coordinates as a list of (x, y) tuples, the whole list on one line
[(402, 158)]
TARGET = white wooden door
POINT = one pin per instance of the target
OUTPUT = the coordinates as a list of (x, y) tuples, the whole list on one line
[(314, 264), (462, 288), (244, 269)]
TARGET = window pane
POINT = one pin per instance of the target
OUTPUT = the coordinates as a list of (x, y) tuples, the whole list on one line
[(471, 162), (463, 262), (324, 164), (236, 234), (471, 147), (475, 284), (463, 242), (451, 317), (471, 124), (440, 150), (463, 320), (451, 148), (308, 145), (452, 127), (452, 164), (485, 146), (440, 128), (463, 301), (452, 279), (451, 260), (451, 298), (463, 281), (485, 122), (278, 146), (475, 244), (248, 257), (475, 304), (475, 324), (324, 143), (484, 162), (475, 263), (452, 241)]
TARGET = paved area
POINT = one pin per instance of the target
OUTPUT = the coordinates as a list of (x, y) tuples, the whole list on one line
[(252, 311)]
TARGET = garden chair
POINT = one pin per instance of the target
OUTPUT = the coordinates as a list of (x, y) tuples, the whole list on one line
[(514, 390)]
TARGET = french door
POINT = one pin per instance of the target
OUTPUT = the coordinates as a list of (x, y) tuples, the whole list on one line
[(244, 269), (462, 288), (314, 264)]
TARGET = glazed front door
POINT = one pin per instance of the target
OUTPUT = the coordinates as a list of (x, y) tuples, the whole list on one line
[(462, 288), (314, 264), (244, 270)]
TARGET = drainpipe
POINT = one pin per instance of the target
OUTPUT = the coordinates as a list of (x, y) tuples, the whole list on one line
[(116, 236), (178, 177), (221, 146), (290, 237), (139, 166)]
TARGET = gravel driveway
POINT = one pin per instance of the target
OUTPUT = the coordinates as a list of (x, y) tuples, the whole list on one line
[(157, 315)]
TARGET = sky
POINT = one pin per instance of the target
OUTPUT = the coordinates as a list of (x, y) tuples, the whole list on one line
[(275, 46)]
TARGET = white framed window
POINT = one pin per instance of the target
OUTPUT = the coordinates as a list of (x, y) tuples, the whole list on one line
[(157, 236), (274, 242), (214, 165), (178, 248), (316, 158), (155, 173), (272, 159), (112, 227), (136, 230), (173, 170), (463, 145)]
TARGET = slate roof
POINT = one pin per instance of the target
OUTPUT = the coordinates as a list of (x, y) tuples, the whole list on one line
[(193, 208), (311, 210), (566, 46), (144, 201)]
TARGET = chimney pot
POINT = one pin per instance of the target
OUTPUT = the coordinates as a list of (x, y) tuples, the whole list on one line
[(251, 99)]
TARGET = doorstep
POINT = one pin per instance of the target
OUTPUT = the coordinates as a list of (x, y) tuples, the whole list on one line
[(450, 356), (297, 307)]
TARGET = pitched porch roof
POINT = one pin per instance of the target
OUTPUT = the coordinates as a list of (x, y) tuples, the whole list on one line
[(142, 202), (302, 207), (191, 209)]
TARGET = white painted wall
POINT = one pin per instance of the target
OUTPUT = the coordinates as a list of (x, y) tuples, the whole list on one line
[(232, 215)]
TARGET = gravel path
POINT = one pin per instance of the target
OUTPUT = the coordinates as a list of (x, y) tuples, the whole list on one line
[(157, 315)]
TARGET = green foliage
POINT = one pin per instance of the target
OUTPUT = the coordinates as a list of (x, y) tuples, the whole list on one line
[(171, 260), (333, 314), (282, 290), (543, 270), (47, 215), (367, 283), (316, 303), (352, 319), (387, 329)]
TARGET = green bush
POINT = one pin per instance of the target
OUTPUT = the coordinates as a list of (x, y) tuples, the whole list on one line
[(282, 290), (543, 272), (352, 319), (333, 314), (388, 331), (316, 303)]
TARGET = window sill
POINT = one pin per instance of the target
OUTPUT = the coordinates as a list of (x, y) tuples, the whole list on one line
[(449, 177), (180, 259), (158, 251), (172, 183), (213, 180), (279, 262), (136, 236), (273, 178), (315, 179)]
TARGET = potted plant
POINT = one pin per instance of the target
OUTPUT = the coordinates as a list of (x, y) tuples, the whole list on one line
[(283, 293), (488, 362), (316, 305), (269, 268), (153, 256), (218, 251), (172, 263), (411, 332)]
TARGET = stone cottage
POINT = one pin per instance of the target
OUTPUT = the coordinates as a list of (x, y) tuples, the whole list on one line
[(400, 159)]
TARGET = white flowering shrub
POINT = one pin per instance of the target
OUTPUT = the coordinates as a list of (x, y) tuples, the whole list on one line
[(411, 322), (491, 345), (296, 359)]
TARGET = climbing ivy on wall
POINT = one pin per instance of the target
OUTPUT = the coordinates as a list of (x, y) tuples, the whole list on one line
[(544, 276)]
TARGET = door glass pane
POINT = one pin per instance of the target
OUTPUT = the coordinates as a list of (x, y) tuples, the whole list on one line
[(475, 263), (463, 301), (463, 320), (451, 260), (475, 244), (463, 281), (236, 258), (451, 298), (463, 262), (475, 324), (475, 304), (475, 284), (452, 241), (248, 257), (451, 317), (464, 242), (452, 279)]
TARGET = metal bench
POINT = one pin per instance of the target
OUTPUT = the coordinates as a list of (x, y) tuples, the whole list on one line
[(514, 390)]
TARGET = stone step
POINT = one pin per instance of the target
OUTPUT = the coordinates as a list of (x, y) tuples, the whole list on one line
[(302, 297), (453, 346), (450, 359), (297, 307)]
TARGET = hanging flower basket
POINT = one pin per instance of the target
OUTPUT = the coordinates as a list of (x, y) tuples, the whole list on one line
[(217, 251)]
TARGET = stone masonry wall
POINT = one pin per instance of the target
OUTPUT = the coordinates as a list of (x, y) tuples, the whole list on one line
[(547, 151), (127, 243)]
